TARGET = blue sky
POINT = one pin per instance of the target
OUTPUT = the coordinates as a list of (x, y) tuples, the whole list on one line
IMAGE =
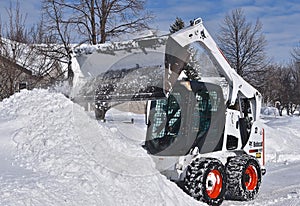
[(280, 18)]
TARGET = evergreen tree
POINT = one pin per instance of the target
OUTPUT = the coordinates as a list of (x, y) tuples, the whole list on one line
[(178, 24)]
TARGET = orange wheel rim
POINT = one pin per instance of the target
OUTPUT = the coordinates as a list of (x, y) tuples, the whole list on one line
[(214, 184), (252, 177)]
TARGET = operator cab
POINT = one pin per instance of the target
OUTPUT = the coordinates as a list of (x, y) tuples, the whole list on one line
[(190, 117), (193, 112)]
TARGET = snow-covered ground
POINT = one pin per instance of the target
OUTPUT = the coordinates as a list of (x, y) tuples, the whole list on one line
[(54, 153)]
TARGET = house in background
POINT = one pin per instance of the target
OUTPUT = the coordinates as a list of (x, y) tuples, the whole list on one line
[(24, 66), (13, 77)]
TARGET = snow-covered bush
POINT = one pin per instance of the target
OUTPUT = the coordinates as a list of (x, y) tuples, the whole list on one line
[(269, 111)]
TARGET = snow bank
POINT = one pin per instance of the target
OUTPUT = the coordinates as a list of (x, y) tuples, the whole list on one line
[(283, 139), (72, 160)]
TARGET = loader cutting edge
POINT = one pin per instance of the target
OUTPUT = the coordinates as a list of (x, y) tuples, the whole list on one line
[(203, 124)]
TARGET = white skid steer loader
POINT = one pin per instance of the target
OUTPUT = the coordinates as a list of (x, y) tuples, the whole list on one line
[(203, 128)]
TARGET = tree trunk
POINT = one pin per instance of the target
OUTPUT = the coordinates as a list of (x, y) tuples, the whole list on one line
[(103, 22), (93, 23)]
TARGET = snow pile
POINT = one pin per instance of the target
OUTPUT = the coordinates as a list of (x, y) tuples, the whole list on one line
[(66, 158)]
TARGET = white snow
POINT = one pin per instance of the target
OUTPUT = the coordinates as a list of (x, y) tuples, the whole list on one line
[(52, 152)]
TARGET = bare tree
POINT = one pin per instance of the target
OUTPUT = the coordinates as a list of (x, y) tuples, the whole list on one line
[(282, 84), (270, 90), (243, 45), (59, 38), (11, 50), (96, 20), (21, 59), (296, 54), (296, 75)]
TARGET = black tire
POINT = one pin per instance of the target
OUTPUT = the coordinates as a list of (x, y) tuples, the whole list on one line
[(199, 181), (243, 178)]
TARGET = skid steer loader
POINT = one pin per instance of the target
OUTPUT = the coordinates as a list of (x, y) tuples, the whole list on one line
[(203, 128)]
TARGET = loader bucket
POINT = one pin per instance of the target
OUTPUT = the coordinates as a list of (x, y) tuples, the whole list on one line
[(132, 72)]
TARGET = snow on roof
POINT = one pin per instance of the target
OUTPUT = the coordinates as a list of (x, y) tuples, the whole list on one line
[(27, 55)]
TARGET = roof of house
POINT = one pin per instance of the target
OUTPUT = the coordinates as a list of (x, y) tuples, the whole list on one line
[(17, 66)]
